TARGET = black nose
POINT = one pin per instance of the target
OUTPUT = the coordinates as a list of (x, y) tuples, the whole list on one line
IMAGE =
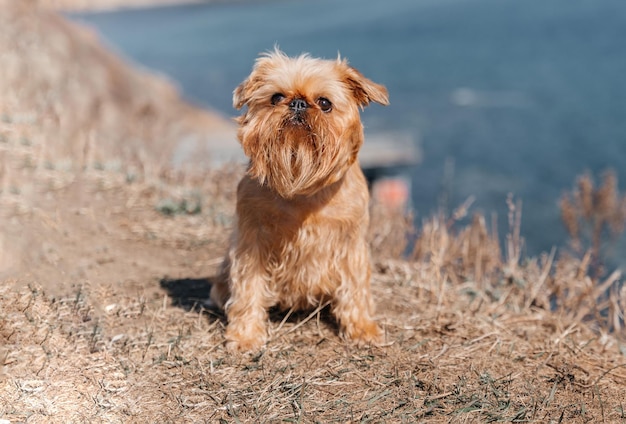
[(298, 105)]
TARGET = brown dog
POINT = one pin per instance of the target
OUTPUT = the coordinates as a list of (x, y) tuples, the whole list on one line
[(302, 208)]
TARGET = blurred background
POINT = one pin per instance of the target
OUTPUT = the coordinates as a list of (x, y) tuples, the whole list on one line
[(497, 96)]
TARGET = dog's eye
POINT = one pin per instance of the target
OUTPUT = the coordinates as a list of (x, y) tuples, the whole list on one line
[(324, 104), (277, 98)]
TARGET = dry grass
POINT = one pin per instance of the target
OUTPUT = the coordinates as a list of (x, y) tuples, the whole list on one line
[(594, 217), (456, 352), (536, 341), (102, 317)]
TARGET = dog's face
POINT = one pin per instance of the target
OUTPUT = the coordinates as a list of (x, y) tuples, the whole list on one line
[(302, 129)]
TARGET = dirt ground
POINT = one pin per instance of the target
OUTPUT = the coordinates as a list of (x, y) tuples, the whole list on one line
[(107, 253)]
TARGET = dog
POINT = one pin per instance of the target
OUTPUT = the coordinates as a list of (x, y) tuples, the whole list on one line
[(302, 206)]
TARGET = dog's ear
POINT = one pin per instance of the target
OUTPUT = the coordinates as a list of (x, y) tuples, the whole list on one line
[(243, 92), (263, 66), (365, 90)]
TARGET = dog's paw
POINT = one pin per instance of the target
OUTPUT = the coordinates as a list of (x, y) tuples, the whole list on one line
[(244, 346), (247, 339), (363, 332)]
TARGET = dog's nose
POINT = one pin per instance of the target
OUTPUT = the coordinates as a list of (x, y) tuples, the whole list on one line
[(298, 105)]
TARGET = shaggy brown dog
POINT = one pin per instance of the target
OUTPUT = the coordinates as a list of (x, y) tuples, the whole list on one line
[(302, 208)]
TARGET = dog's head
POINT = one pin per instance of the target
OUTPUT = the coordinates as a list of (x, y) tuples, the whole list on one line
[(302, 129)]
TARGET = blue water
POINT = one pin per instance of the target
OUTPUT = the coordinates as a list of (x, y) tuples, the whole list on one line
[(501, 95)]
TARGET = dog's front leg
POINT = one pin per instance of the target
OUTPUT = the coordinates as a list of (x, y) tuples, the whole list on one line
[(353, 306), (247, 308)]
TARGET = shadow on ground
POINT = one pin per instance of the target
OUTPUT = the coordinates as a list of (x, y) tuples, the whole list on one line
[(191, 294)]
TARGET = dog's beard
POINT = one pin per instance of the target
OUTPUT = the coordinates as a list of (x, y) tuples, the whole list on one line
[(299, 158)]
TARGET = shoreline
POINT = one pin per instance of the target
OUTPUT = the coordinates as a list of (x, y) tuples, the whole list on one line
[(100, 6)]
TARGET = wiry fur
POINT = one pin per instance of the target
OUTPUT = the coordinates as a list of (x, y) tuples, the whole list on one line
[(302, 208)]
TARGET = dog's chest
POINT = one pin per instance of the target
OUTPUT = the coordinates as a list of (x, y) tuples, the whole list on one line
[(309, 265)]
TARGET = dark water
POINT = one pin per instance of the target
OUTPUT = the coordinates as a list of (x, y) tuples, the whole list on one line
[(502, 96)]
